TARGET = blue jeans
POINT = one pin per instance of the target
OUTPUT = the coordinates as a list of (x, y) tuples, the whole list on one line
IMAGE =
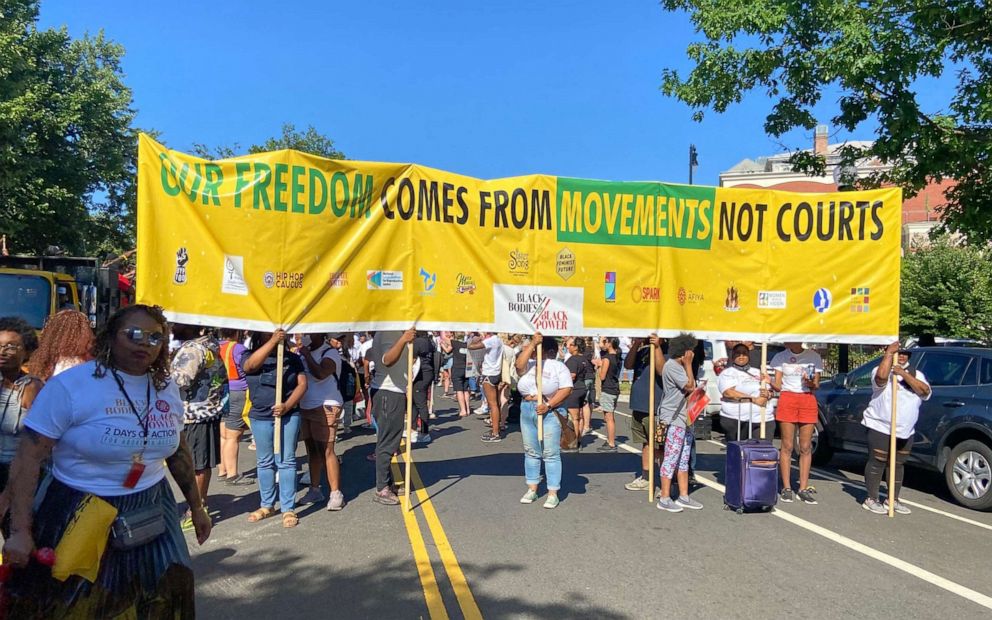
[(268, 462), (533, 453)]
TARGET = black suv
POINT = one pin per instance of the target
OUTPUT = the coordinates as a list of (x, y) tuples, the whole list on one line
[(954, 432)]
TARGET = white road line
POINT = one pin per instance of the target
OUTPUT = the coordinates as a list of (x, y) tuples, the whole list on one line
[(894, 562), (831, 476)]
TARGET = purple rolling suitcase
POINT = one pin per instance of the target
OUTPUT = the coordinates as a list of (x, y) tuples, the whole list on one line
[(751, 475)]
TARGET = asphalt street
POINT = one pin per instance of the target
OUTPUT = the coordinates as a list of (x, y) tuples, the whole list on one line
[(470, 549)]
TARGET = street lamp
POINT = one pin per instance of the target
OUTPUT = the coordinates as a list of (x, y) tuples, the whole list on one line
[(693, 161)]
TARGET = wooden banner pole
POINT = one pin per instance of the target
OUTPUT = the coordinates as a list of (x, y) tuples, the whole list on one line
[(277, 422), (892, 441), (764, 386), (539, 378), (651, 383), (409, 425)]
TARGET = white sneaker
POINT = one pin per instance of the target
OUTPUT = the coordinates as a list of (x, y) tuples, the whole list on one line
[(414, 437), (481, 409)]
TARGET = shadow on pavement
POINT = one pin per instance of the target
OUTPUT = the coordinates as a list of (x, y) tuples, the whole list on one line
[(291, 586)]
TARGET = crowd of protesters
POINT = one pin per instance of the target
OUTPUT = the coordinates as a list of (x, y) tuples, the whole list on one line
[(214, 387)]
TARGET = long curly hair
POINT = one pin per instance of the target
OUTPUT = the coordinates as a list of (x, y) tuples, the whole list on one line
[(103, 350), (67, 334)]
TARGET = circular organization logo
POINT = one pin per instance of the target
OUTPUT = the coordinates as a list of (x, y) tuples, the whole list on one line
[(162, 406), (269, 279), (682, 296), (822, 300), (636, 294)]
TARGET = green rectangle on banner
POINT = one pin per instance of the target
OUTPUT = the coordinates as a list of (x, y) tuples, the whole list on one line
[(623, 213)]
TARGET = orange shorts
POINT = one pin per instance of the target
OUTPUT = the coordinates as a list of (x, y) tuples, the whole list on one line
[(796, 408)]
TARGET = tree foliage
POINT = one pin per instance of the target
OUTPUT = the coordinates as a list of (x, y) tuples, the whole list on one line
[(67, 148), (874, 52), (947, 292), (308, 141)]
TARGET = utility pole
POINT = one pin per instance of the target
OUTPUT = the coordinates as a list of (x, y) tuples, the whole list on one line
[(693, 161)]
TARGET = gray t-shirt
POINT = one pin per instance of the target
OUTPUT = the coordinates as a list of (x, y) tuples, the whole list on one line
[(674, 379)]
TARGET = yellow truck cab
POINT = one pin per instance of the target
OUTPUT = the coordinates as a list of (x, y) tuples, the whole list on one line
[(36, 287)]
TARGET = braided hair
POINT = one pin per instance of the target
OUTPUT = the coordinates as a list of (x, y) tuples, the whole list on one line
[(103, 349)]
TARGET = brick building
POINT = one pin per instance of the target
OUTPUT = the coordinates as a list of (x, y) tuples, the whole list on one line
[(919, 213)]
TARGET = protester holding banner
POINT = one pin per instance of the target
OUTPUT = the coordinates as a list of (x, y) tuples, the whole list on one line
[(390, 383), (609, 374), (912, 388), (742, 398), (544, 409), (102, 481), (638, 360), (260, 364), (679, 382), (797, 376), (320, 414), (233, 424)]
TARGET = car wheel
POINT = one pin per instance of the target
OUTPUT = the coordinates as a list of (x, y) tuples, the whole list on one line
[(969, 474)]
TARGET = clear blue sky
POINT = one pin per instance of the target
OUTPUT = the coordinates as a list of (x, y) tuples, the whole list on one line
[(485, 89)]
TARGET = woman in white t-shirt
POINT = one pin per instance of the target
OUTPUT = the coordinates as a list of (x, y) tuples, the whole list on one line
[(555, 387), (797, 377), (742, 398), (912, 389), (111, 427), (321, 408)]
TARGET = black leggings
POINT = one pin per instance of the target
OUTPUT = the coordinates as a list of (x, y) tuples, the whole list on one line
[(421, 393), (878, 460)]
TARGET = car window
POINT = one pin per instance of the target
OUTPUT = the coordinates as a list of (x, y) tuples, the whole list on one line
[(861, 377), (986, 374), (971, 373), (944, 368)]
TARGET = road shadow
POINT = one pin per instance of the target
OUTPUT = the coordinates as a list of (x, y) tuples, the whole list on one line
[(282, 582)]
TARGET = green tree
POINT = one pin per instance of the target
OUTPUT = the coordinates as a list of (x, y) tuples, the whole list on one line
[(66, 144), (308, 141), (873, 52), (947, 291)]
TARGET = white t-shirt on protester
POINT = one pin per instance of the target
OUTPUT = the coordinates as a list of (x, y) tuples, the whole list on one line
[(97, 433), (326, 391), (492, 364), (793, 365), (878, 415), (748, 383), (556, 376)]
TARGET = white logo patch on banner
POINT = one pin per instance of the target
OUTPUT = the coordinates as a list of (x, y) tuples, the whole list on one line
[(233, 281), (551, 310)]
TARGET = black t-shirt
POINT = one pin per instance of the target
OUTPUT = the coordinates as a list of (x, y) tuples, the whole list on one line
[(611, 384), (577, 366), (424, 349), (262, 382), (458, 357), (639, 394)]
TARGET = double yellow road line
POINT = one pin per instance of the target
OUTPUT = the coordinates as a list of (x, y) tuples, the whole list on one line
[(428, 580)]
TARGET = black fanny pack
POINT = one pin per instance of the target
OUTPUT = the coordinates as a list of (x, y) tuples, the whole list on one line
[(137, 527)]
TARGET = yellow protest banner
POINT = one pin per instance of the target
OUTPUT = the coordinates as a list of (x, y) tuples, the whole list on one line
[(294, 240)]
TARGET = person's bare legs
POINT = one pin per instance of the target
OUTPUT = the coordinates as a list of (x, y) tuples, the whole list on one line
[(491, 392), (463, 403), (788, 435), (230, 441), (611, 432), (587, 416), (805, 453)]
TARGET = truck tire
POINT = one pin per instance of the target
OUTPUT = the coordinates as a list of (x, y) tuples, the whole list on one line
[(968, 474)]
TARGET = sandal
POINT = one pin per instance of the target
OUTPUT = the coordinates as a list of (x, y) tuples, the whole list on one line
[(289, 519), (260, 514)]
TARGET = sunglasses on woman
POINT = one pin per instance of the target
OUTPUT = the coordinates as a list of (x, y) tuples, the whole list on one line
[(140, 336)]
